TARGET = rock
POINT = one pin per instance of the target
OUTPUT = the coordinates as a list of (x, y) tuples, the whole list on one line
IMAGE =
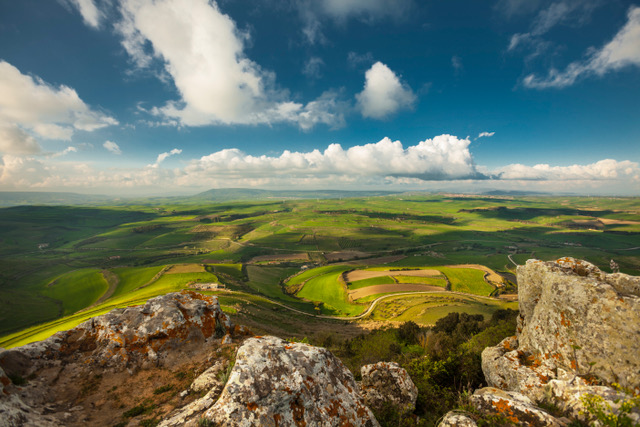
[(457, 419), (509, 368), (137, 336), (274, 382), (14, 363), (514, 406), (574, 318), (14, 412), (207, 379), (387, 383), (226, 339), (568, 397), (189, 415)]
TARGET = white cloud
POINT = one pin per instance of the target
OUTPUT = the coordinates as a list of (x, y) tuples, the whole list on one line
[(113, 147), (90, 13), (485, 134), (14, 140), (163, 156), (384, 93), (354, 59), (28, 106), (69, 149), (312, 68), (443, 161), (604, 170), (202, 51), (622, 51), (443, 157), (314, 12)]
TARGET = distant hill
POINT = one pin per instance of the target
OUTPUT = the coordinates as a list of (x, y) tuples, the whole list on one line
[(21, 198), (229, 194), (18, 198)]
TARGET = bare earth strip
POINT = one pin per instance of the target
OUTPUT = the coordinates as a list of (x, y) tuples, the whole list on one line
[(383, 289), (303, 256), (606, 221), (185, 268), (352, 276)]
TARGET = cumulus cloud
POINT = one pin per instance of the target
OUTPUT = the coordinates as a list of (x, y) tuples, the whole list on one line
[(443, 157), (607, 169), (202, 53), (485, 134), (383, 93), (14, 140), (29, 106), (90, 13), (113, 147), (622, 51), (163, 156)]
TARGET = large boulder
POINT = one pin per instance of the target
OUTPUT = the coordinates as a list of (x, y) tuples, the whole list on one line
[(275, 382), (573, 317), (386, 383), (457, 419), (137, 336)]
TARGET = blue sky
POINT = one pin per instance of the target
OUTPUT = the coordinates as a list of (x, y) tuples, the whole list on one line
[(135, 97)]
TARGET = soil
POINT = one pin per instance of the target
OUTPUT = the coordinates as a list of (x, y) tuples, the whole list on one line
[(400, 287), (352, 276)]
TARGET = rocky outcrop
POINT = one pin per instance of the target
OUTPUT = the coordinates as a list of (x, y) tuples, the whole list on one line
[(575, 322), (137, 336), (275, 382), (513, 406), (387, 383), (59, 372)]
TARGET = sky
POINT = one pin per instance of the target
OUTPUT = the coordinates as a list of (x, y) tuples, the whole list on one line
[(168, 97)]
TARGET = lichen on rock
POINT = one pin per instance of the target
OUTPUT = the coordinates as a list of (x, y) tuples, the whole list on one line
[(275, 382), (386, 383)]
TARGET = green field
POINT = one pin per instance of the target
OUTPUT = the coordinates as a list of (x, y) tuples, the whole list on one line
[(382, 280), (427, 309), (54, 259), (328, 290)]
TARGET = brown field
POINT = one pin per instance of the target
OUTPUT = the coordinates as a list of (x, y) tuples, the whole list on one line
[(606, 221), (383, 289), (185, 268), (345, 255), (352, 276), (508, 297), (491, 277), (301, 256)]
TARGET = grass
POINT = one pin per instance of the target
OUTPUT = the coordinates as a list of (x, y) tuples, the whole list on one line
[(467, 280), (382, 280), (77, 289), (427, 309), (432, 281), (135, 242), (327, 290)]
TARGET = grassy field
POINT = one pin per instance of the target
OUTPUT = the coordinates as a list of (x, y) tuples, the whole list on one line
[(74, 245), (427, 309), (328, 290), (382, 280)]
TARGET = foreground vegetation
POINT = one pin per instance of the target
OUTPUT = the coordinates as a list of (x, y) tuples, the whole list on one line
[(64, 264)]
